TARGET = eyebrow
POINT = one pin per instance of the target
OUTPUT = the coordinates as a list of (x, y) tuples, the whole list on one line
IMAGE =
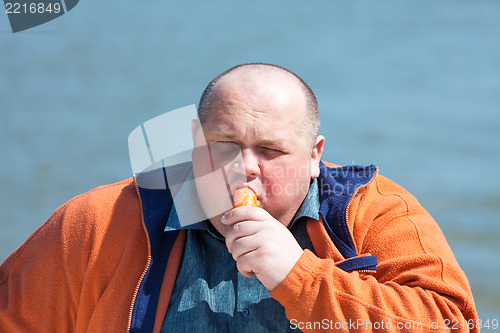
[(232, 135), (225, 134)]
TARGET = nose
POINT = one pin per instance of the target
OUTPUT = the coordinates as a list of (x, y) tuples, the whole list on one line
[(248, 164)]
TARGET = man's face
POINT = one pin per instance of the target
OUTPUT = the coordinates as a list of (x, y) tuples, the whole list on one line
[(254, 134)]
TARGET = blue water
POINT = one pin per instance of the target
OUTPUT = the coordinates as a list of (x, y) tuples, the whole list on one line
[(413, 87)]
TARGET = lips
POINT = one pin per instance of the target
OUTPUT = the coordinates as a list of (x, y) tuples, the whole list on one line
[(234, 187), (241, 185)]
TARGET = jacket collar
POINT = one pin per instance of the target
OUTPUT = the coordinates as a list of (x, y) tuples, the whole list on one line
[(336, 187)]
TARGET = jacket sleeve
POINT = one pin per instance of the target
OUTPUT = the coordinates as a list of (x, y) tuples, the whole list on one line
[(74, 273), (418, 286), (34, 293)]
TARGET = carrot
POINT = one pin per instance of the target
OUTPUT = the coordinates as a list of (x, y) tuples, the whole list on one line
[(245, 197)]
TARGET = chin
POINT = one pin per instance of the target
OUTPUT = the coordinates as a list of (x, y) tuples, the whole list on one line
[(218, 225)]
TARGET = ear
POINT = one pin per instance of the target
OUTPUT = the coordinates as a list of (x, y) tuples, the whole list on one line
[(195, 126), (316, 155)]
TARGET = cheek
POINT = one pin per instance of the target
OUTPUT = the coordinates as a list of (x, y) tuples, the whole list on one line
[(284, 181), (212, 191)]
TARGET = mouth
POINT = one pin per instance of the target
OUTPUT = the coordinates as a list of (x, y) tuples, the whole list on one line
[(234, 187), (238, 186)]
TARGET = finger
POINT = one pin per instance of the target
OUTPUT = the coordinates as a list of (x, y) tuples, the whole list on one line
[(244, 266), (243, 213), (245, 245), (241, 229)]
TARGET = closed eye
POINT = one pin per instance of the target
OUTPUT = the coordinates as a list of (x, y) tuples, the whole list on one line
[(271, 152), (223, 151)]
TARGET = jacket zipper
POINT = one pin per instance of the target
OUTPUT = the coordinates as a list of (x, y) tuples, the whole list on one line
[(351, 199), (366, 271), (147, 264)]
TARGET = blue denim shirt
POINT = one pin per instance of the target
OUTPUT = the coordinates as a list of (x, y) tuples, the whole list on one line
[(209, 293)]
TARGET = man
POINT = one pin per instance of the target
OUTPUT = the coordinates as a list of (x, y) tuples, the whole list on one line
[(327, 249)]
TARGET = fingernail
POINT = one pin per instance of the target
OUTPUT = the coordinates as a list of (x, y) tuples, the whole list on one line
[(223, 218)]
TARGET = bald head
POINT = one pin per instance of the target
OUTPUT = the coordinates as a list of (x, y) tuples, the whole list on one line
[(257, 80)]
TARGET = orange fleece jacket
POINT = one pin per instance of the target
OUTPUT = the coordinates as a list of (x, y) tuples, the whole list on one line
[(80, 271), (418, 280)]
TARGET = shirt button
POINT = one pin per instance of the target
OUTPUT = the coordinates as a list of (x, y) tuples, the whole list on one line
[(245, 312)]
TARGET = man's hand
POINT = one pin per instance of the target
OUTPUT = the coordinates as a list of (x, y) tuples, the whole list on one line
[(261, 245)]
